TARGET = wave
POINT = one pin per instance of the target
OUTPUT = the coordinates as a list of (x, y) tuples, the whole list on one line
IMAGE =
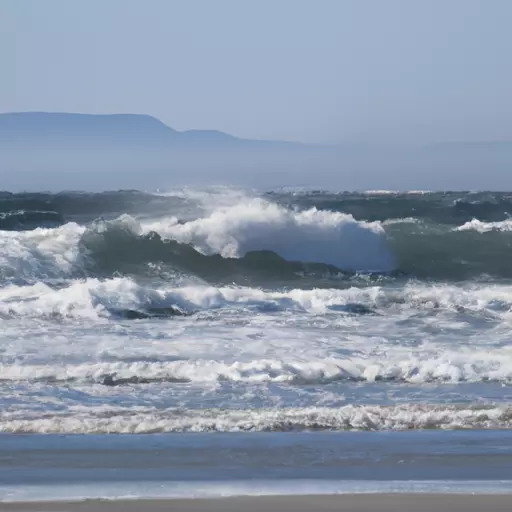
[(91, 298), (477, 366), (41, 253), (454, 208), (95, 301), (485, 227), (97, 298), (450, 208), (204, 489), (430, 251), (258, 242), (123, 247), (18, 220), (310, 236), (257, 239), (111, 247), (146, 420), (85, 207)]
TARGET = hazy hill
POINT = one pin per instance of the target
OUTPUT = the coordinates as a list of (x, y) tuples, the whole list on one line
[(61, 151), (57, 150), (130, 129)]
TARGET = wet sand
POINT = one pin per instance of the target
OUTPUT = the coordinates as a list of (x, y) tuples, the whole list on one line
[(344, 502)]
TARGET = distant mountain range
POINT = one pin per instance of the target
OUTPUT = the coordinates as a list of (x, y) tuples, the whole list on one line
[(125, 150), (86, 129), (41, 150)]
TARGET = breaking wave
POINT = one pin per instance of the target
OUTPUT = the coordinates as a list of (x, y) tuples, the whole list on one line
[(485, 227), (312, 236), (96, 298), (145, 420), (452, 367), (256, 241), (258, 237)]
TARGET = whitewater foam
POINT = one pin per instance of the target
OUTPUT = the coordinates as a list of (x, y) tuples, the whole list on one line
[(405, 220), (484, 227), (140, 420), (99, 298), (253, 487), (312, 235), (40, 253), (427, 366), (248, 224)]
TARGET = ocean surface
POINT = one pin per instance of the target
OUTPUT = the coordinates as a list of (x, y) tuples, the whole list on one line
[(280, 340)]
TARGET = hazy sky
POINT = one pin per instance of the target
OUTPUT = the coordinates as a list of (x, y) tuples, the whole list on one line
[(314, 70)]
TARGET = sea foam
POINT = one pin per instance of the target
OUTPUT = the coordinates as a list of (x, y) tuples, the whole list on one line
[(312, 235), (145, 420)]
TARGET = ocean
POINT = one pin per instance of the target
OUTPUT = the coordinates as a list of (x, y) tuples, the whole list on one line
[(218, 341)]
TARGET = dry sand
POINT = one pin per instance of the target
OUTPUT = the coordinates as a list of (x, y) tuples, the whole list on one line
[(344, 502)]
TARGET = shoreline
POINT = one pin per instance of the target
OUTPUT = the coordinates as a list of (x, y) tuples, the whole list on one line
[(397, 502)]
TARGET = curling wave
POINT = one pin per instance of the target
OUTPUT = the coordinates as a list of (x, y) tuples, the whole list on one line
[(256, 241)]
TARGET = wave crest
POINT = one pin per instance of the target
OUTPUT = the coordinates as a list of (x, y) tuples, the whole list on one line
[(255, 241), (485, 227), (310, 236), (141, 420)]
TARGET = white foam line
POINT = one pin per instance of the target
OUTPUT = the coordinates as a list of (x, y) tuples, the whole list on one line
[(106, 420), (206, 489)]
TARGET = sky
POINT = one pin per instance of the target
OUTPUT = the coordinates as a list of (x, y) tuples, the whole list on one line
[(387, 72)]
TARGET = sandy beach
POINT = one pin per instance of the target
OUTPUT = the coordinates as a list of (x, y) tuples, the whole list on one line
[(353, 503)]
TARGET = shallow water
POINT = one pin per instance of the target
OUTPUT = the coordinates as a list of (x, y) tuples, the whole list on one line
[(65, 467)]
